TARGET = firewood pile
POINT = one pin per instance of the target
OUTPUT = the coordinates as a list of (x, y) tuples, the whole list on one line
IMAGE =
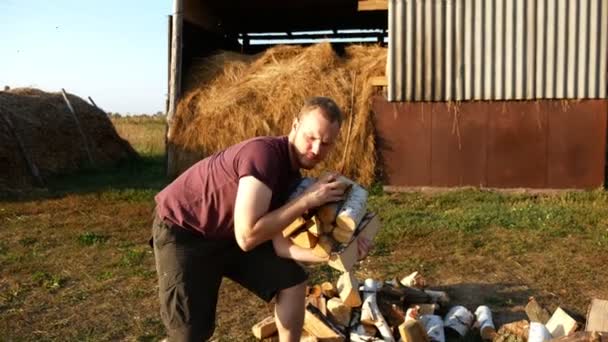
[(407, 310)]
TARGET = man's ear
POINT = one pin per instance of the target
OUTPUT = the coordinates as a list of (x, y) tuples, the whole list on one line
[(295, 124)]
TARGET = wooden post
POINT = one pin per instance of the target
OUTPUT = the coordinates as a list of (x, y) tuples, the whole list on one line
[(175, 80), (84, 138), (28, 160)]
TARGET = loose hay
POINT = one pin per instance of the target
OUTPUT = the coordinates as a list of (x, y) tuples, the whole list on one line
[(51, 138), (230, 97)]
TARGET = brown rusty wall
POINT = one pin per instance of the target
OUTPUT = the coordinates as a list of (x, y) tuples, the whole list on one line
[(546, 144)]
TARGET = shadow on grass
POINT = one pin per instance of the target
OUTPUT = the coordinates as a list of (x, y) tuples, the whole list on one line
[(147, 173)]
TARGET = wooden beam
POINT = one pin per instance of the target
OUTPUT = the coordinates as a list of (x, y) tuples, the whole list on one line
[(85, 142), (372, 5)]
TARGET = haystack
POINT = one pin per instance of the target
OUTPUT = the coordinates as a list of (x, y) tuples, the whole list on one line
[(38, 126), (231, 97)]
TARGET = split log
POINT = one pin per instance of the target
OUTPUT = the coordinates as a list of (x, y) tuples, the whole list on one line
[(319, 303), (348, 288), (305, 239), (414, 280), (341, 235), (370, 312), (584, 336), (327, 213), (314, 291), (413, 331), (320, 327), (535, 312), (294, 226), (339, 312), (347, 257), (265, 328), (324, 246), (597, 316), (352, 211), (315, 226), (561, 324), (328, 289)]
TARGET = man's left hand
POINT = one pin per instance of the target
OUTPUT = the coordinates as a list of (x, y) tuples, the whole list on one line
[(364, 246)]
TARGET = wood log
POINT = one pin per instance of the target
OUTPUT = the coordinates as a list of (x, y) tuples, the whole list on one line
[(518, 328), (327, 213), (264, 328), (349, 255), (348, 288), (305, 239), (535, 312), (319, 327), (294, 226), (329, 290), (584, 336), (341, 235), (339, 312), (315, 291), (415, 279), (413, 331), (370, 312), (597, 316), (352, 211), (314, 226), (561, 324), (324, 246)]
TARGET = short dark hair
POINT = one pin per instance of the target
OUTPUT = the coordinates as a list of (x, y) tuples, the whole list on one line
[(329, 108)]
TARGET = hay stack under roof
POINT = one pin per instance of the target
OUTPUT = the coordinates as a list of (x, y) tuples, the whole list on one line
[(50, 138), (230, 98)]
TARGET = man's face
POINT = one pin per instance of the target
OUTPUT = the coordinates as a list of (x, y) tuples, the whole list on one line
[(314, 137)]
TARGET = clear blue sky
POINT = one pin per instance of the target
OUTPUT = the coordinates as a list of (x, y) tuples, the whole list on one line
[(114, 51)]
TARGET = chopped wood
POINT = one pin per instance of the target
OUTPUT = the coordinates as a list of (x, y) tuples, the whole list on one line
[(378, 81), (426, 309), (518, 328), (339, 312), (364, 333), (305, 239), (318, 302), (294, 226), (346, 259), (352, 211), (348, 288), (314, 227), (561, 324), (342, 235), (329, 290), (370, 312), (306, 337), (327, 213), (414, 280), (324, 246), (536, 313), (393, 313), (584, 336), (319, 326), (264, 328), (597, 316), (413, 331)]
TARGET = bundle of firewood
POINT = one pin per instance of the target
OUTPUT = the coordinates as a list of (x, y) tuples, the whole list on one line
[(333, 229)]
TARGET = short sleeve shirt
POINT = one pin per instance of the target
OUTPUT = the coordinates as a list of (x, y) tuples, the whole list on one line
[(202, 198)]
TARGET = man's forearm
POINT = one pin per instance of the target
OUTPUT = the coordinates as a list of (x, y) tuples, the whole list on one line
[(286, 249), (273, 222)]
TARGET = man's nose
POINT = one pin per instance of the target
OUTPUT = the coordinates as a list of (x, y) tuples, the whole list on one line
[(316, 146)]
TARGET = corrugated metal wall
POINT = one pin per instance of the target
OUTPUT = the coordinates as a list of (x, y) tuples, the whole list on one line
[(443, 50)]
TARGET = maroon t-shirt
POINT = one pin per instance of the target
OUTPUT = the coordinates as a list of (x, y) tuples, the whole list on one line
[(202, 198)]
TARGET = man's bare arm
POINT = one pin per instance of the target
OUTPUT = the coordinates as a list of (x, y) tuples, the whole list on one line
[(253, 224)]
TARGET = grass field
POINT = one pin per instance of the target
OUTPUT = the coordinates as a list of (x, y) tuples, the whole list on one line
[(75, 264)]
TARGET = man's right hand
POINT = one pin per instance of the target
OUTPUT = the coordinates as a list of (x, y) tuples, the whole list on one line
[(326, 189)]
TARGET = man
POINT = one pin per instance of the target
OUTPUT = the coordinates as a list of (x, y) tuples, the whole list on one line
[(223, 217)]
